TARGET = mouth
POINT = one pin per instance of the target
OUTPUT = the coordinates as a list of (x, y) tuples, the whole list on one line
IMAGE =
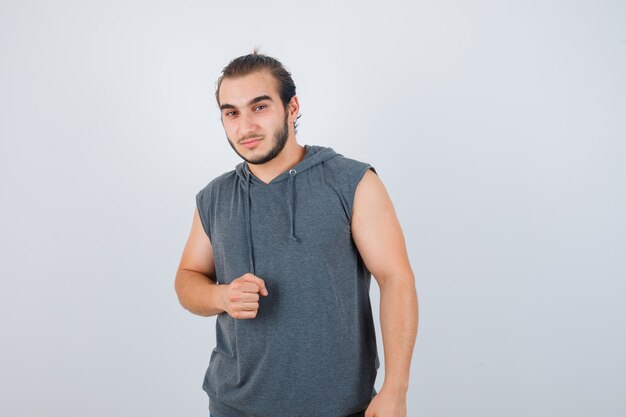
[(251, 142)]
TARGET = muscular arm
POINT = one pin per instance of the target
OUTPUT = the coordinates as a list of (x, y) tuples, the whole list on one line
[(195, 282), (380, 241)]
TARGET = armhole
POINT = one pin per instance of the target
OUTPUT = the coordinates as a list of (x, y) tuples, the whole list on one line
[(359, 176), (203, 213)]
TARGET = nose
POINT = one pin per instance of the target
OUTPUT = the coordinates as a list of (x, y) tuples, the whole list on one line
[(247, 125)]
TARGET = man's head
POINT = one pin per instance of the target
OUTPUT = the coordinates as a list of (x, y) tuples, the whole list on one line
[(257, 100)]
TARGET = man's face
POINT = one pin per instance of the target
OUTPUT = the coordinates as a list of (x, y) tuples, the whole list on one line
[(253, 116)]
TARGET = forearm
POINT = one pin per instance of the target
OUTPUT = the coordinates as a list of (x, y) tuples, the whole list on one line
[(398, 319), (198, 294)]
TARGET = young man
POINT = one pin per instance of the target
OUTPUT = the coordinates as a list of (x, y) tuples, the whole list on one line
[(281, 249)]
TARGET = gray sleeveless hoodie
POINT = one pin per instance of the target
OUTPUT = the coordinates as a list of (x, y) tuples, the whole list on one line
[(311, 349)]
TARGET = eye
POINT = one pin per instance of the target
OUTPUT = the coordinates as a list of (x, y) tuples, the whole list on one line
[(261, 106), (230, 113)]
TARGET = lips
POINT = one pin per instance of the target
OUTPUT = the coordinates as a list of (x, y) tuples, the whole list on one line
[(250, 143)]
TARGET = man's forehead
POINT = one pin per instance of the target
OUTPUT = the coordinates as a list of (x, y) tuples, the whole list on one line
[(240, 90)]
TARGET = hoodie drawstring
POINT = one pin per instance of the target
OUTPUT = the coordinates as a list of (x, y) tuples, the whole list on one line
[(291, 190), (249, 223)]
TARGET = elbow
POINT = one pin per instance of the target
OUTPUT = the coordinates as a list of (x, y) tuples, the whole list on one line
[(404, 279), (179, 286)]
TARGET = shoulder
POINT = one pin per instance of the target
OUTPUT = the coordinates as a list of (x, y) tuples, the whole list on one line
[(347, 169), (219, 182), (344, 174)]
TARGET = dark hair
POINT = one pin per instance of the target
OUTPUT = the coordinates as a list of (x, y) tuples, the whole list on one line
[(254, 62)]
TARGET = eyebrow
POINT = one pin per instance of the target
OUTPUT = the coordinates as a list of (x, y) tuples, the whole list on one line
[(250, 103)]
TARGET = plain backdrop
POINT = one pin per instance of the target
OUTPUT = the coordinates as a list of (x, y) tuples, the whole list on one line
[(498, 128)]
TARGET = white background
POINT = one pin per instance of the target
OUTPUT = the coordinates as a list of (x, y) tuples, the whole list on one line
[(498, 128)]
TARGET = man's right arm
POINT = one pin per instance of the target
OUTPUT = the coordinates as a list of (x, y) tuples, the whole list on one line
[(195, 282)]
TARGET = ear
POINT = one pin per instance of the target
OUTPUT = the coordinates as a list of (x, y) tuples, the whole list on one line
[(293, 107)]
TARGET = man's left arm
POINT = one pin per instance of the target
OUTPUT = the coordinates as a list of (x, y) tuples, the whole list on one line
[(378, 236)]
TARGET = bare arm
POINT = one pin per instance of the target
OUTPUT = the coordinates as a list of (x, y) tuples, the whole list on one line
[(195, 282), (377, 234)]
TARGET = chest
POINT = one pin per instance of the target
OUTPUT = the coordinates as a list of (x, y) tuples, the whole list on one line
[(312, 211)]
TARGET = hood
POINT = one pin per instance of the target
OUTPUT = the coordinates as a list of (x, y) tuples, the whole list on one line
[(314, 155)]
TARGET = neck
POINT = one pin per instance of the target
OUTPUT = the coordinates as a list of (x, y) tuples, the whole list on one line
[(289, 157)]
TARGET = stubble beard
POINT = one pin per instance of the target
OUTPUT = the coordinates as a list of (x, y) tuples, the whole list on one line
[(280, 140)]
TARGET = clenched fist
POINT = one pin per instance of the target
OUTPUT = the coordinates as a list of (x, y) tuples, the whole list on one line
[(241, 296)]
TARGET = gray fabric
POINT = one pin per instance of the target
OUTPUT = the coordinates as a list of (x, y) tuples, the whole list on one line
[(311, 349)]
